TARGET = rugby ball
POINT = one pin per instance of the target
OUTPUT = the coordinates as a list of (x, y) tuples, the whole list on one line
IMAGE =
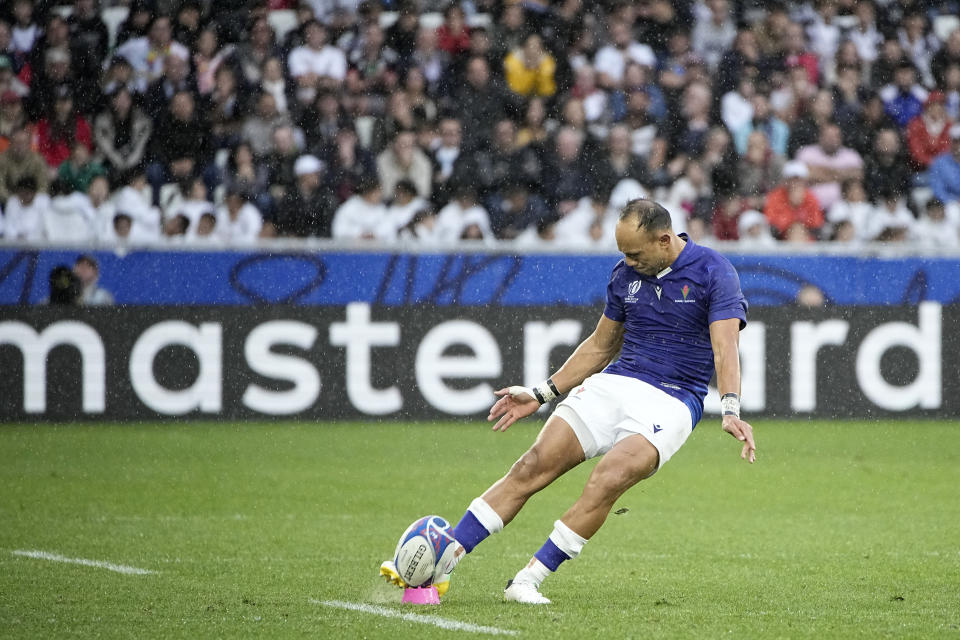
[(425, 551)]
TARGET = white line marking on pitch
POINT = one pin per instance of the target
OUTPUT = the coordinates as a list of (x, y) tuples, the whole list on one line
[(99, 564), (443, 623)]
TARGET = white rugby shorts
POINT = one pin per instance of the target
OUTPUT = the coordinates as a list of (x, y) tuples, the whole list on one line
[(606, 408)]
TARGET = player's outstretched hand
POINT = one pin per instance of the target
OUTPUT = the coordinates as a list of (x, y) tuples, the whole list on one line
[(514, 403), (742, 431)]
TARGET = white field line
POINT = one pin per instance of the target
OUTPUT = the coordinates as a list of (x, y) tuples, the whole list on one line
[(443, 623), (99, 564)]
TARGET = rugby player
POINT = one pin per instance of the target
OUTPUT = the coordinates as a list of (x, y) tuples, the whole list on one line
[(674, 311)]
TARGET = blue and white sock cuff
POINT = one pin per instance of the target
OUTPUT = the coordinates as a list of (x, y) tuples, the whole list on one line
[(567, 540), (485, 514)]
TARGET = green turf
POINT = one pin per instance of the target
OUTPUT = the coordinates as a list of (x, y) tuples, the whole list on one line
[(840, 530)]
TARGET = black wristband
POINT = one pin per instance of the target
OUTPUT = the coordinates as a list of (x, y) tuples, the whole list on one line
[(553, 387), (538, 395)]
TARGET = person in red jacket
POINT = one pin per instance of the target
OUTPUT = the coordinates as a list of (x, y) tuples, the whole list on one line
[(453, 36), (61, 130), (928, 134), (792, 209)]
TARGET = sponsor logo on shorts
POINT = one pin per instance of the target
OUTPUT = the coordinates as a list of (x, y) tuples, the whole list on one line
[(657, 428)]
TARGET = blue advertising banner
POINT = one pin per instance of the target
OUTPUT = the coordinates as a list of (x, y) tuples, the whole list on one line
[(310, 278)]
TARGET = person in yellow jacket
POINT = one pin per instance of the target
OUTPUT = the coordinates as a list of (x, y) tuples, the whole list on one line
[(530, 70)]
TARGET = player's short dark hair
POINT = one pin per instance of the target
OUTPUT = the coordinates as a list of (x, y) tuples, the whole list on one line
[(651, 216)]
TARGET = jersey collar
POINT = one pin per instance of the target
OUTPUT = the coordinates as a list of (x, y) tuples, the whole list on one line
[(682, 258)]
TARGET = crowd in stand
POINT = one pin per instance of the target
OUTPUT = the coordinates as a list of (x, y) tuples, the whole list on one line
[(432, 121)]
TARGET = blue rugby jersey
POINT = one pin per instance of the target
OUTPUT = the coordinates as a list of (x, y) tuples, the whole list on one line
[(666, 320)]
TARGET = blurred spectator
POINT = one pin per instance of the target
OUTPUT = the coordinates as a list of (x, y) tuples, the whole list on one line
[(80, 169), (726, 217), (865, 34), (348, 165), (759, 170), (175, 79), (25, 210), (184, 150), (12, 118), (19, 161), (792, 208), (742, 60), (453, 37), (862, 132), (226, 109), (65, 287), (585, 225), (463, 218), (364, 216), (25, 32), (688, 134), (253, 54), (948, 55), (61, 130), (762, 119), (830, 163), (87, 270), (567, 178), (918, 43), (533, 131), (244, 175), (208, 59), (452, 165), (237, 220), (147, 54), (618, 161), (849, 217), (405, 205), (402, 34), (714, 32), (903, 99), (122, 132), (736, 108), (754, 230), (928, 134), (806, 130), (8, 81), (372, 64), (89, 39), (611, 60), (430, 60), (530, 71), (281, 160), (939, 226), (189, 199), (258, 127), (516, 210), (945, 170), (403, 159), (316, 64), (306, 210), (479, 102), (891, 221)]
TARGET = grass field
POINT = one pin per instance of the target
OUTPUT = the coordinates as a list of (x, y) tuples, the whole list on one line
[(840, 530)]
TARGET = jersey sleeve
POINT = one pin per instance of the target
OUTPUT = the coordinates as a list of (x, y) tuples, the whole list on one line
[(614, 307), (726, 299)]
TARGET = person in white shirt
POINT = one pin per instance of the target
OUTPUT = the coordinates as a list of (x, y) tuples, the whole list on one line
[(147, 54), (238, 221), (736, 107), (939, 226), (70, 216), (891, 220), (463, 218), (714, 32), (316, 64), (611, 61), (406, 204), (25, 211), (364, 216), (574, 228), (852, 210), (754, 230)]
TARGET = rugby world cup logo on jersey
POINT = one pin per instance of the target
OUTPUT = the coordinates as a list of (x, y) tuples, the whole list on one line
[(632, 290)]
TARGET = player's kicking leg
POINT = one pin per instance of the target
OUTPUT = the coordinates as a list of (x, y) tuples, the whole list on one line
[(628, 462), (555, 451)]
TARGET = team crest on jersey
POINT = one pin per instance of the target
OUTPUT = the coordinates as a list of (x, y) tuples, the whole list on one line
[(632, 290), (687, 291)]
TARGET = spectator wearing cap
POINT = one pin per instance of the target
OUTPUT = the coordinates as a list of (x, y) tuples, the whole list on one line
[(903, 99), (830, 163), (307, 209), (928, 134), (611, 60), (530, 70), (404, 159), (364, 216), (754, 230), (316, 64), (945, 170), (148, 53), (792, 207), (238, 220), (20, 161), (122, 132)]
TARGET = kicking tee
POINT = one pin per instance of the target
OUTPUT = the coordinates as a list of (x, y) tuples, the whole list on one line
[(666, 321)]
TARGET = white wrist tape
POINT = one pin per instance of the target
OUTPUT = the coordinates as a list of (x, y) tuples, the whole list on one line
[(542, 393), (730, 404)]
